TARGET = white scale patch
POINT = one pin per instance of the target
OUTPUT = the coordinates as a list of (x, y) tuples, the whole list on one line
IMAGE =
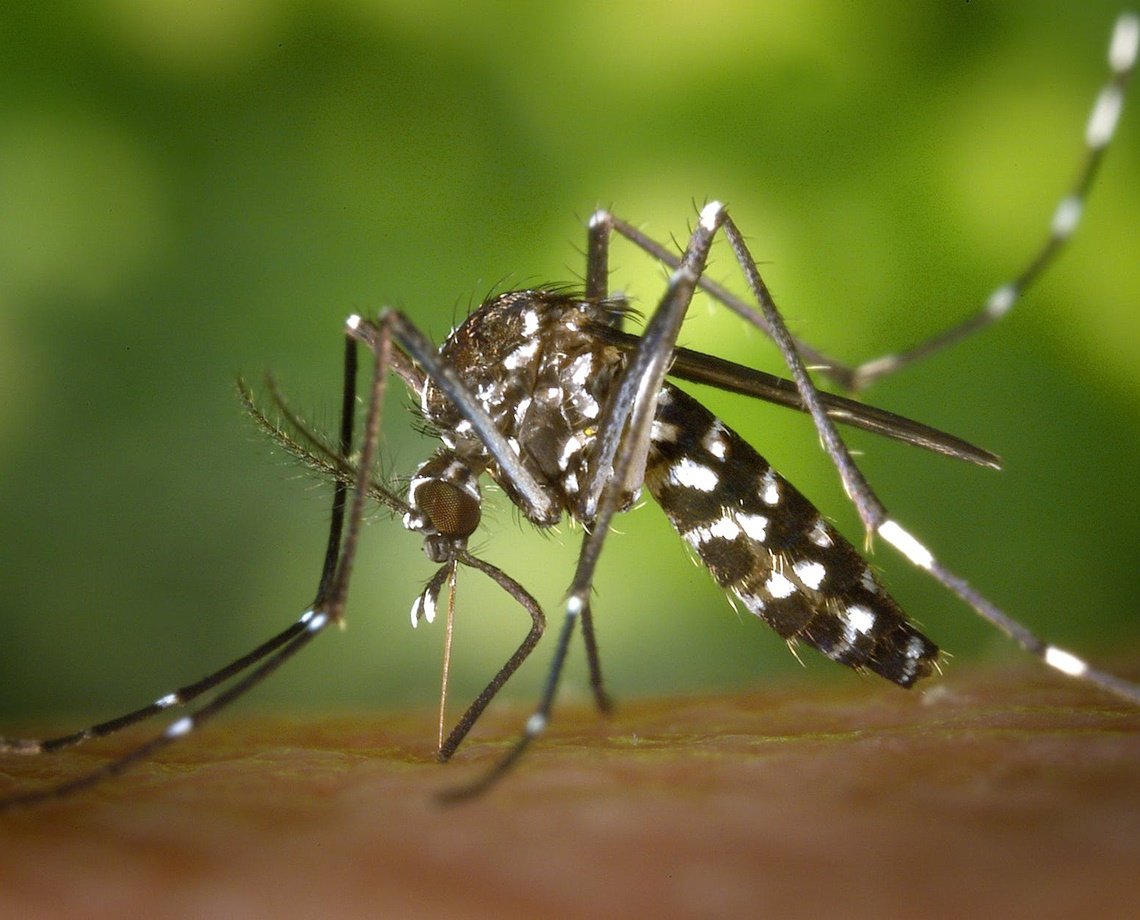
[(581, 368), (1122, 53), (819, 535), (715, 441), (1001, 300), (530, 322), (413, 520), (913, 653), (179, 728), (1105, 115), (490, 395), (1065, 662), (753, 602), (587, 405), (429, 606), (867, 580), (710, 215), (1066, 217), (665, 432), (724, 528), (810, 573), (521, 355), (858, 620), (1125, 43), (692, 475), (769, 488), (755, 525), (572, 447), (906, 544), (779, 586)]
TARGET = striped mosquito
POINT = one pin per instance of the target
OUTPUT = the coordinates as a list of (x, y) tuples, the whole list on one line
[(546, 393)]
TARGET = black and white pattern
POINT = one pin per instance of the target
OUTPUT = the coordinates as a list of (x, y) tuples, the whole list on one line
[(766, 543), (546, 393)]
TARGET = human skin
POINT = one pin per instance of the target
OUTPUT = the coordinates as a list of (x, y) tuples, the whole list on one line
[(988, 792)]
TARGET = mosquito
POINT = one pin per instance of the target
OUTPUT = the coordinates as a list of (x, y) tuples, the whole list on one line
[(546, 393)]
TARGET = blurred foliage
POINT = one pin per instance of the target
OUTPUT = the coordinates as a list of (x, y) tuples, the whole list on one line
[(192, 189)]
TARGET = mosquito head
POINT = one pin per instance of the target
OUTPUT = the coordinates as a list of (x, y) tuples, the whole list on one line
[(446, 505)]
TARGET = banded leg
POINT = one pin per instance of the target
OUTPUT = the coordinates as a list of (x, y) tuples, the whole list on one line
[(1099, 131), (615, 475), (424, 609), (874, 515), (263, 660)]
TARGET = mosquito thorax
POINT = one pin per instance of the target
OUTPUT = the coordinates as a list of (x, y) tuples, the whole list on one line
[(532, 362)]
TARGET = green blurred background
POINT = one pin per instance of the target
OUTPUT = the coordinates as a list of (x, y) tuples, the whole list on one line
[(193, 189)]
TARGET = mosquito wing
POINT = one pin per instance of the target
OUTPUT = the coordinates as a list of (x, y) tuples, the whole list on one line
[(737, 378)]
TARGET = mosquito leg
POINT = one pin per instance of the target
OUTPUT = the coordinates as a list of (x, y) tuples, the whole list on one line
[(179, 697), (718, 292), (334, 592), (535, 725), (190, 692), (635, 401), (630, 413), (1101, 126), (598, 255), (340, 491), (271, 654), (599, 230), (602, 699), (538, 624), (874, 514), (305, 630), (871, 510), (1098, 134)]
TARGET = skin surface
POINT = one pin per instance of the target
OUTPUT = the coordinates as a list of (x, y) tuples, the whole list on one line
[(988, 792)]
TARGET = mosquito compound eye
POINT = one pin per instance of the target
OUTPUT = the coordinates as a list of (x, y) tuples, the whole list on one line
[(446, 492), (451, 510)]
